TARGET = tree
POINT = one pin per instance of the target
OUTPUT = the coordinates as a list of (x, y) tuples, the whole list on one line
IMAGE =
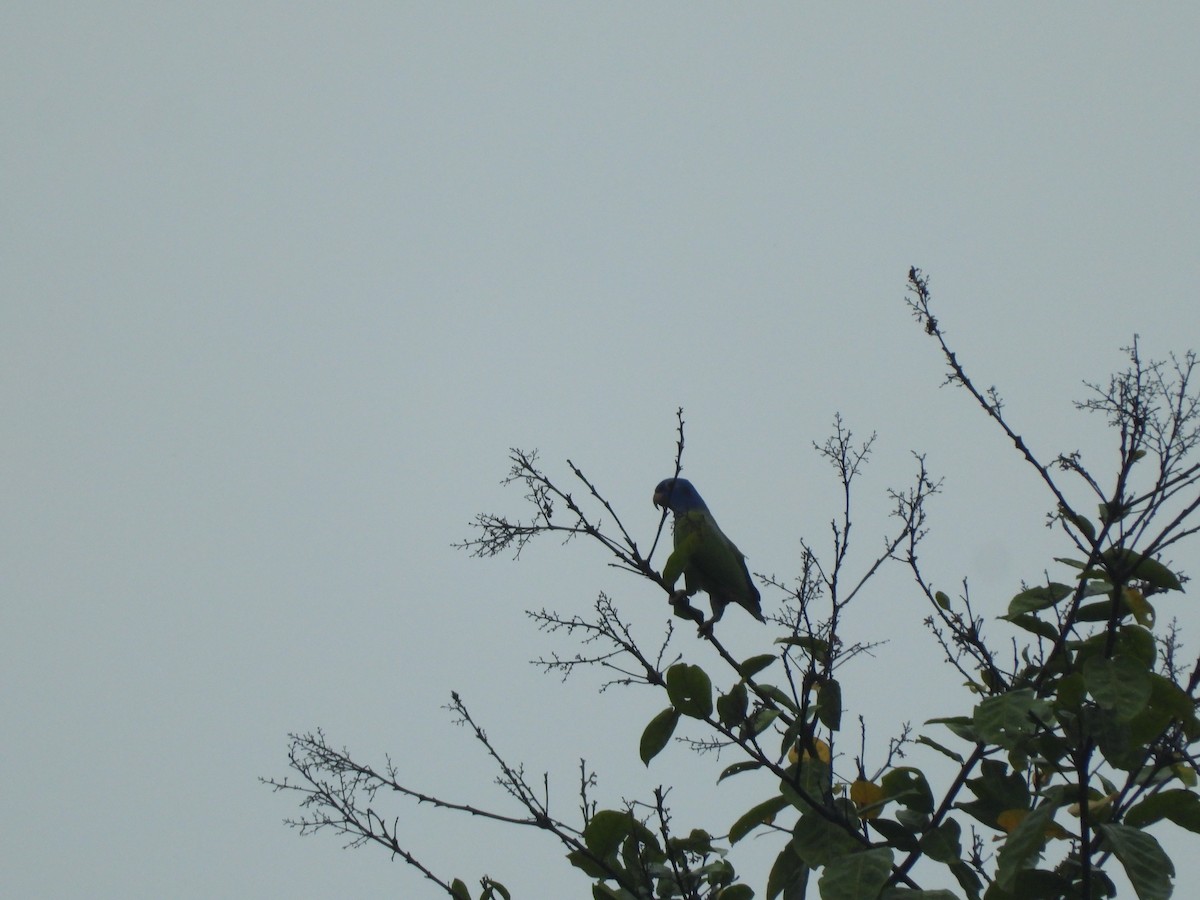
[(1080, 737)]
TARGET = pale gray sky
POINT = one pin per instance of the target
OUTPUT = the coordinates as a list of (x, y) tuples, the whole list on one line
[(282, 283)]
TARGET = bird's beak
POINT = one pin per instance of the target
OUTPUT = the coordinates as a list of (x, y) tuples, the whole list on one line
[(660, 499)]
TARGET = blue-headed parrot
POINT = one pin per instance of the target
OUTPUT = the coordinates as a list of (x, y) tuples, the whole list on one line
[(708, 560)]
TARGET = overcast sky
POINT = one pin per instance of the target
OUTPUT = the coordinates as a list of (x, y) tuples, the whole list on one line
[(282, 283)]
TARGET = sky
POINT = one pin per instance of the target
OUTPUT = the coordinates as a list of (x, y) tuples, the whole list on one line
[(283, 283)]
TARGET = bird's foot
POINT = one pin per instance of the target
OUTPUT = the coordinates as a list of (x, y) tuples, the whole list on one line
[(684, 609)]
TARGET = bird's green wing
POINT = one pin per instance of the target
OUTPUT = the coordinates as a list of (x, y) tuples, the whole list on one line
[(710, 562)]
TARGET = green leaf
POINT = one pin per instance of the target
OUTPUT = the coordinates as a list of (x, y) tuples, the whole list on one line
[(1036, 598), (789, 876), (657, 734), (818, 841), (1085, 526), (1034, 625), (762, 720), (738, 768), (941, 599), (761, 814), (604, 892), (492, 888), (812, 776), (960, 726), (943, 844), (755, 664), (586, 864), (1073, 563), (731, 707), (1127, 564), (1120, 684), (690, 690), (1138, 643), (945, 751), (1024, 844), (773, 692), (1149, 869), (737, 892), (459, 890), (829, 705), (897, 835), (606, 829), (908, 787), (1180, 806), (857, 876), (1102, 610), (1007, 719), (996, 790)]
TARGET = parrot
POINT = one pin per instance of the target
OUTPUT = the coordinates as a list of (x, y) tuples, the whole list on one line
[(707, 559)]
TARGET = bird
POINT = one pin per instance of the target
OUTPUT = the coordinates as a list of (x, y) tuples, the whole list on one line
[(707, 559)]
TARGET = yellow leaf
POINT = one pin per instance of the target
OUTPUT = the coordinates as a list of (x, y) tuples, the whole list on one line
[(1011, 818), (1142, 610), (822, 749), (868, 797), (1184, 773), (1093, 805)]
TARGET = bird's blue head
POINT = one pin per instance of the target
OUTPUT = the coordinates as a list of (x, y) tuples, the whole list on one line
[(678, 495)]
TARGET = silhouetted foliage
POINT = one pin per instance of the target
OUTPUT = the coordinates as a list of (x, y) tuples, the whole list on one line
[(1080, 737)]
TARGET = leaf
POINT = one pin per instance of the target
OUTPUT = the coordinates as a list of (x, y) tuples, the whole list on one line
[(657, 734), (943, 844), (1024, 844), (929, 742), (1180, 806), (789, 876), (755, 664), (586, 864), (1143, 610), (1036, 598), (1129, 564), (996, 789), (731, 707), (459, 890), (1034, 625), (960, 726), (818, 841), (941, 599), (896, 834), (1102, 610), (908, 787), (1085, 526), (829, 705), (1073, 563), (1120, 684), (856, 876), (1006, 719), (605, 831), (868, 797), (762, 720), (494, 887), (1138, 643), (1149, 869), (762, 814), (738, 768), (737, 892), (690, 690)]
